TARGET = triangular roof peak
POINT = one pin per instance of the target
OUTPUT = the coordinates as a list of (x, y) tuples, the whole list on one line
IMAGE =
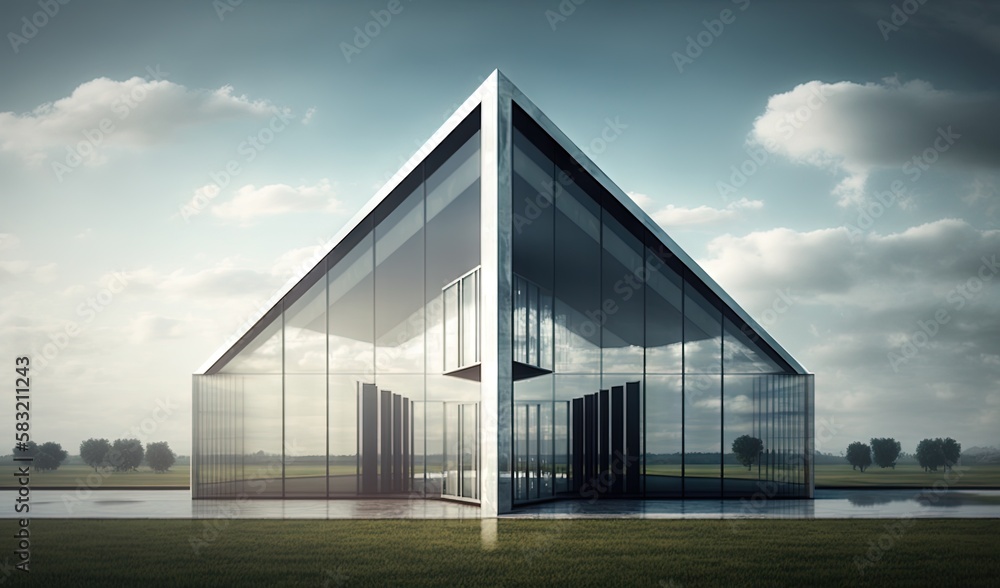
[(493, 94)]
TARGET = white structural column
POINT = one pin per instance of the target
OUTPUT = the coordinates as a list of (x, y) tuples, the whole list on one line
[(497, 387)]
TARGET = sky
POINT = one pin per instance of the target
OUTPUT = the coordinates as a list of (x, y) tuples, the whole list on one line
[(167, 167)]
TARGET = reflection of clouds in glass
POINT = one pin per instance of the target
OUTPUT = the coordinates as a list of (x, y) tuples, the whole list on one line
[(664, 359), (574, 353), (623, 360), (737, 405), (741, 354), (348, 355), (708, 403), (262, 356), (703, 356), (401, 348)]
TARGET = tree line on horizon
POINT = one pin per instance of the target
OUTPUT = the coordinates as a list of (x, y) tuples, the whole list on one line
[(931, 454), (123, 455)]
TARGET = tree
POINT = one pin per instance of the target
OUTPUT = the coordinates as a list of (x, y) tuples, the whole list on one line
[(885, 452), (94, 452), (930, 454), (30, 450), (859, 455), (49, 457), (952, 451), (125, 454), (747, 449), (159, 456), (935, 453)]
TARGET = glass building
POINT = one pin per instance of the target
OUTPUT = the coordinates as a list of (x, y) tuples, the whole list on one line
[(501, 324)]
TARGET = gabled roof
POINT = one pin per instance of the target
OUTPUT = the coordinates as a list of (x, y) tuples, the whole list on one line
[(496, 85)]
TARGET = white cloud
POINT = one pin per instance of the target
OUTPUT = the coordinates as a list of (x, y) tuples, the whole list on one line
[(134, 112), (250, 202), (44, 273), (307, 117), (147, 327), (8, 241), (16, 269), (678, 216), (858, 128), (828, 266)]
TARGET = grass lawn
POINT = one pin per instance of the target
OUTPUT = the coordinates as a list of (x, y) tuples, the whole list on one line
[(84, 475), (526, 553), (908, 475)]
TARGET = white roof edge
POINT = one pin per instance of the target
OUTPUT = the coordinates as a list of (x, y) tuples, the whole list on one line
[(411, 164), (549, 127)]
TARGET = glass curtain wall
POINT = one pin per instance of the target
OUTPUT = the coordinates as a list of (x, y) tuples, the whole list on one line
[(344, 389), (655, 388)]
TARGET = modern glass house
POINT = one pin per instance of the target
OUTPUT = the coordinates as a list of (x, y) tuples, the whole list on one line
[(501, 324)]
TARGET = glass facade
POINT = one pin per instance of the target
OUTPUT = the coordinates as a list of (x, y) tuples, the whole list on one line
[(630, 376), (654, 378), (361, 381)]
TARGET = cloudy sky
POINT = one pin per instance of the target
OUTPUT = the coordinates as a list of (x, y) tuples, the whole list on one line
[(835, 166)]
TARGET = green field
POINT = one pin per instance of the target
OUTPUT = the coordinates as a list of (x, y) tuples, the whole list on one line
[(525, 553), (84, 475), (975, 476)]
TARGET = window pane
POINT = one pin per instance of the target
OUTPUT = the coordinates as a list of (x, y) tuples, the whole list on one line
[(305, 394), (743, 440), (702, 334), (399, 278), (470, 319), (702, 434), (533, 214), (451, 308), (664, 349), (577, 287), (663, 435), (520, 326), (622, 312), (352, 310)]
